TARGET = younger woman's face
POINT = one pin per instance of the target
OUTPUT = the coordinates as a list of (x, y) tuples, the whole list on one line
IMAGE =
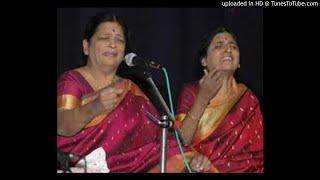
[(222, 54)]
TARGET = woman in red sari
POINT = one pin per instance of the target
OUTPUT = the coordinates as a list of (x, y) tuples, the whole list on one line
[(113, 118), (99, 109), (219, 118)]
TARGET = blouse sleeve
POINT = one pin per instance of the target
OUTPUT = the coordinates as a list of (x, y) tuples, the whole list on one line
[(185, 101), (69, 92)]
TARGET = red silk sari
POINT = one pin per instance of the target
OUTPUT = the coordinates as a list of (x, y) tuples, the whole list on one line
[(126, 134), (230, 132)]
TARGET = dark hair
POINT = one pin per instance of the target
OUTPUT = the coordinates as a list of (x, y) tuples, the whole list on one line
[(102, 17), (207, 38)]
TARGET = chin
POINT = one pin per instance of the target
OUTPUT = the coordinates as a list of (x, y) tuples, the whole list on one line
[(225, 68), (228, 70), (111, 61)]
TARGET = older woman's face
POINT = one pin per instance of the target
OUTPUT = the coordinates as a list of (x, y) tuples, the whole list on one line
[(107, 45), (222, 54)]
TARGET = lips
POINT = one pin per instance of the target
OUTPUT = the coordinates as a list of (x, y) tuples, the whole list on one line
[(227, 58), (109, 54)]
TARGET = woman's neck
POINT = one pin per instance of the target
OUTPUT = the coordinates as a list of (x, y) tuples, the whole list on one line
[(227, 83), (99, 75)]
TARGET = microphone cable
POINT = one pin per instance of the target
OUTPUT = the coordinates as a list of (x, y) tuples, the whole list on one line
[(186, 163)]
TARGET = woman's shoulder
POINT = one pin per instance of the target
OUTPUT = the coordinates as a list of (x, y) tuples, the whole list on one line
[(71, 82), (132, 87), (249, 94), (69, 75)]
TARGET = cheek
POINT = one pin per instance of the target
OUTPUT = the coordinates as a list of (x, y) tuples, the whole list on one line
[(237, 56), (94, 48), (122, 48), (91, 51), (99, 47), (213, 58)]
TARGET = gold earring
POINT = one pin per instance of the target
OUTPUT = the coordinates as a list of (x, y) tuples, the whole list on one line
[(239, 66)]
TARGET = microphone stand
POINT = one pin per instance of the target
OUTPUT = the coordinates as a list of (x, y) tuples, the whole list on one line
[(165, 122), (64, 158)]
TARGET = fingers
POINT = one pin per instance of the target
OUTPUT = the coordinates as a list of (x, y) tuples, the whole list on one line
[(111, 93), (205, 72), (216, 74), (213, 78), (201, 80), (119, 91), (200, 163), (212, 72), (108, 105), (217, 77), (110, 97), (207, 164), (207, 75), (194, 163)]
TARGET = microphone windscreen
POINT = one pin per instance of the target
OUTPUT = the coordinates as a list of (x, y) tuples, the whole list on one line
[(128, 59)]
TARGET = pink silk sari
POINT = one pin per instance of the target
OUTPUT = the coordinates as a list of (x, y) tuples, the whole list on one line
[(128, 137), (233, 142), (230, 133)]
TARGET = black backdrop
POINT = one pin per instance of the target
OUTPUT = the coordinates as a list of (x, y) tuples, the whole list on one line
[(170, 37)]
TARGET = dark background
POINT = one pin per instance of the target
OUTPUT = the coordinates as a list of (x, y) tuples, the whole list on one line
[(170, 36)]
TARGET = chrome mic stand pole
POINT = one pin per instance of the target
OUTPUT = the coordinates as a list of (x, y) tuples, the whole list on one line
[(166, 121), (163, 152)]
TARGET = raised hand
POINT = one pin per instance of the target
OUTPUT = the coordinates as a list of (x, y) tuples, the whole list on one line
[(210, 84), (110, 97)]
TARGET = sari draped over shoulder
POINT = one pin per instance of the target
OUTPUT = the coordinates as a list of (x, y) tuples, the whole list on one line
[(126, 134), (230, 132)]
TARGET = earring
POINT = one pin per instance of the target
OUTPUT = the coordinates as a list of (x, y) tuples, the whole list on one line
[(238, 66)]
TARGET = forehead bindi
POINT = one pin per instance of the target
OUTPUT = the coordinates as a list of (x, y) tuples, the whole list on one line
[(111, 28), (223, 37)]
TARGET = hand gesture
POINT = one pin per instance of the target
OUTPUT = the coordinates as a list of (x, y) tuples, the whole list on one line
[(110, 97), (210, 84)]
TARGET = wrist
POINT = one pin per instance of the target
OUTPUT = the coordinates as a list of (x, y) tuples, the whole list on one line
[(190, 115), (203, 100)]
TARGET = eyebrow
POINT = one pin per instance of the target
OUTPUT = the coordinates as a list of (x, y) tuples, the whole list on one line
[(109, 34), (229, 42)]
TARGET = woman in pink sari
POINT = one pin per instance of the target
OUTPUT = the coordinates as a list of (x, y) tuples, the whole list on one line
[(99, 109), (219, 118)]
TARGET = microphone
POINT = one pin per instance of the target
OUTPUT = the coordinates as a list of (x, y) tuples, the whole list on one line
[(132, 59)]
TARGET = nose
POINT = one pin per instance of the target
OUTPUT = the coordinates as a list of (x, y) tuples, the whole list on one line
[(112, 43), (228, 48)]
